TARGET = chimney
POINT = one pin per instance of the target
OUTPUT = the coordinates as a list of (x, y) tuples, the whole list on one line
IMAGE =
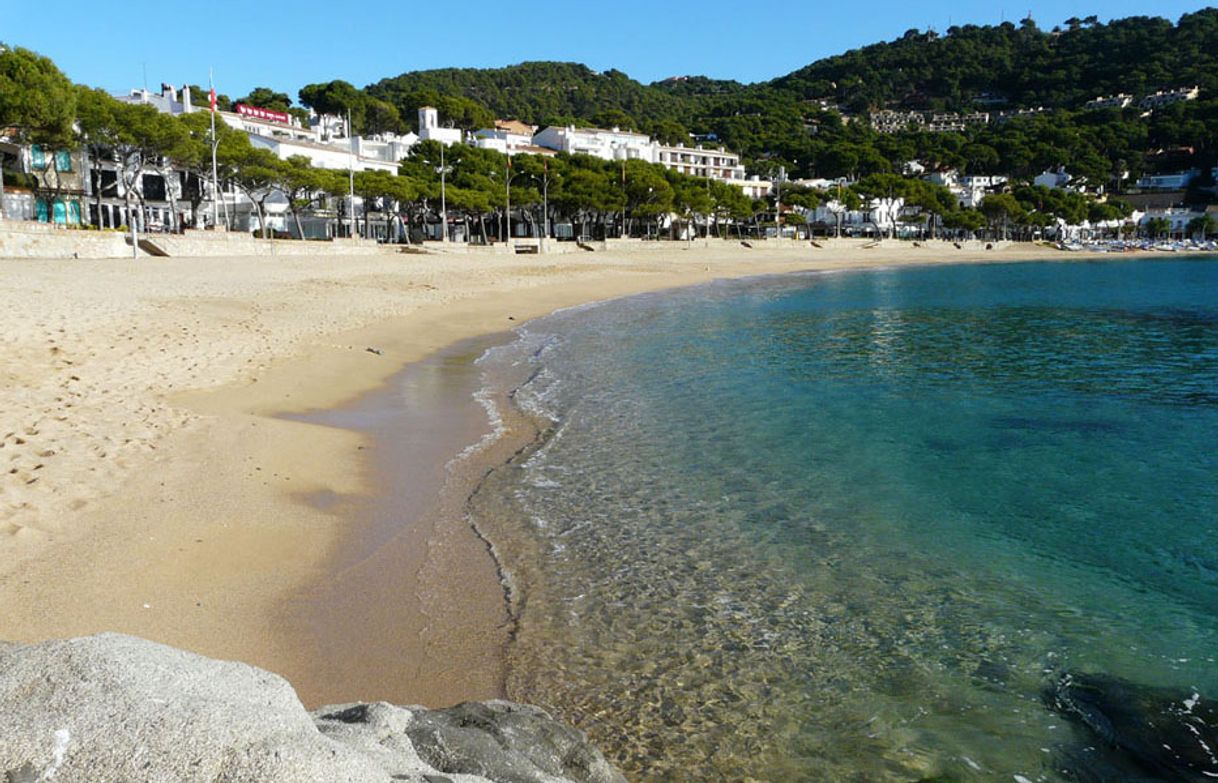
[(187, 106)]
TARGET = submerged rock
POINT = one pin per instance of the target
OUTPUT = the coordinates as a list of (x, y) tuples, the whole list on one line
[(117, 708), (1141, 733)]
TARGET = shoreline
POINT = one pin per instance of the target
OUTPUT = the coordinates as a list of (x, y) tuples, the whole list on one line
[(182, 516)]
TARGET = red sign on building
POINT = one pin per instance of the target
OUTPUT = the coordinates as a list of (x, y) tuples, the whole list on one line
[(264, 114)]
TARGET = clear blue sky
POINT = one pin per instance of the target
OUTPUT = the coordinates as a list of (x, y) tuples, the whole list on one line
[(285, 45)]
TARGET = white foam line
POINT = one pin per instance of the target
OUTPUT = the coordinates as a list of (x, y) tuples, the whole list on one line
[(493, 417)]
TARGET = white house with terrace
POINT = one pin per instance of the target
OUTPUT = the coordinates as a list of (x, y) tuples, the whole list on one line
[(619, 145)]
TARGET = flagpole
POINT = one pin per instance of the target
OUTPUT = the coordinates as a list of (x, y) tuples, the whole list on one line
[(351, 169), (215, 178)]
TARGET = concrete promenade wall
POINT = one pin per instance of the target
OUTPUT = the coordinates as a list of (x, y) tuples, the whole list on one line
[(221, 243), (28, 239)]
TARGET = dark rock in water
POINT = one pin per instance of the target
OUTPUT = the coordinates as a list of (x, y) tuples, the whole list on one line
[(117, 709), (510, 742), (1141, 733), (992, 674)]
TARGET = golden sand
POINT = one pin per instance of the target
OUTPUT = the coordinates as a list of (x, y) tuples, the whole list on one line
[(148, 486)]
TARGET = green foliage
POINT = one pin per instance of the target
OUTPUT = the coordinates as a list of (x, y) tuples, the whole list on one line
[(337, 97), (1023, 65), (1202, 226), (534, 92), (36, 100), (265, 98)]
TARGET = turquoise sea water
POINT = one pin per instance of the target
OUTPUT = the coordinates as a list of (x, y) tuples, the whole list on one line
[(850, 526)]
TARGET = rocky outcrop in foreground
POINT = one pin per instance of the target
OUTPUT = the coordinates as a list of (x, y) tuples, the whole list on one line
[(113, 708)]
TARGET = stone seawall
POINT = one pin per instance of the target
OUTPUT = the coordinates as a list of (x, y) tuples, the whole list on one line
[(28, 239)]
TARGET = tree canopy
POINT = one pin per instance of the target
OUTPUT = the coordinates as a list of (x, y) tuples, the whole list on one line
[(37, 101)]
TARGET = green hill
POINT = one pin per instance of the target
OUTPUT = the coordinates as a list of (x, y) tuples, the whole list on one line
[(814, 120), (535, 92), (1022, 64)]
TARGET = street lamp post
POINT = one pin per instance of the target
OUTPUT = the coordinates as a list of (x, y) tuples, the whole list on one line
[(778, 202), (351, 171), (545, 210), (443, 200)]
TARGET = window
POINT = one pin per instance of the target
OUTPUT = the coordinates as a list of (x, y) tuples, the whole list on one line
[(38, 158), (41, 213), (74, 212), (59, 212), (63, 160)]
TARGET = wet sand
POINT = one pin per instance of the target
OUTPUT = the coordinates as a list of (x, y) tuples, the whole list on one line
[(156, 482)]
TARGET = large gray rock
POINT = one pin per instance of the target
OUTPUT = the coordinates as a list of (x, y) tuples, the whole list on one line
[(499, 740), (113, 708)]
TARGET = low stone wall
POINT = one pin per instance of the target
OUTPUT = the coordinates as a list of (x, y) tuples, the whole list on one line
[(26, 239), (29, 239), (224, 243)]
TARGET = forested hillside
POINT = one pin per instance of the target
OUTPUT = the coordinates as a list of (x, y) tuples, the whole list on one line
[(814, 120), (1022, 64), (537, 92)]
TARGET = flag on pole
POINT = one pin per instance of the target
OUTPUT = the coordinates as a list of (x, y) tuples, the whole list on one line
[(212, 99)]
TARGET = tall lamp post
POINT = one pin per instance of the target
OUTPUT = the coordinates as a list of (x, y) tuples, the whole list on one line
[(508, 177), (778, 178), (443, 199), (351, 171), (545, 203)]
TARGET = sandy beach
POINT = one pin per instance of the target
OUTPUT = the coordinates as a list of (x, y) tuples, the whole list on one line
[(153, 485)]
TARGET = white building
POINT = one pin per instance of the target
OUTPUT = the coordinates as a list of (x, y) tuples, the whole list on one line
[(699, 161), (983, 181), (615, 144), (1054, 180), (817, 183), (1177, 219), (255, 121), (888, 121), (1118, 101), (430, 130), (1177, 181), (956, 123), (168, 101), (879, 216), (754, 186), (508, 137), (324, 156), (385, 147), (948, 178), (1168, 97)]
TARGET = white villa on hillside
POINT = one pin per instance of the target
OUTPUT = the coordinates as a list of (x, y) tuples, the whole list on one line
[(167, 101), (617, 144), (327, 156), (1118, 101), (430, 130), (1168, 97), (698, 161), (508, 136)]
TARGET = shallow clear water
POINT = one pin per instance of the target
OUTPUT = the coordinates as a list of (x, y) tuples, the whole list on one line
[(849, 526)]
